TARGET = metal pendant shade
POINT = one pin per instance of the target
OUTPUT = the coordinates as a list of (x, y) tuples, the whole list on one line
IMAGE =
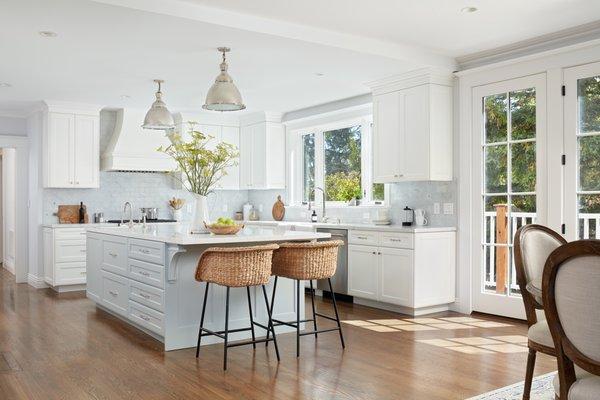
[(223, 95), (158, 117)]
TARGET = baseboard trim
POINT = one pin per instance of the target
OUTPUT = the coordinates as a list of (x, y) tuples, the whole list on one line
[(9, 267), (69, 288), (36, 282), (414, 312)]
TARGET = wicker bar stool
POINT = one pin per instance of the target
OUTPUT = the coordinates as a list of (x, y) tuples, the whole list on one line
[(236, 267), (307, 261)]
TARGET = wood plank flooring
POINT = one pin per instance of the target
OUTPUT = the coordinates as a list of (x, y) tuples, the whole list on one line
[(62, 347)]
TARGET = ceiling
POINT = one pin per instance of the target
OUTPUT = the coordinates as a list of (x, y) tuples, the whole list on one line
[(285, 55), (434, 24)]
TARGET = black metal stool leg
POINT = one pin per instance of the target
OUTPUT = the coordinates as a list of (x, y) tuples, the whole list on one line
[(202, 320), (297, 318), (270, 324), (312, 299), (251, 317), (337, 317), (226, 333), (270, 310)]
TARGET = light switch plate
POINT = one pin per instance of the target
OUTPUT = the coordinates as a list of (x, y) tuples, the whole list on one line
[(260, 208), (448, 208), (436, 208)]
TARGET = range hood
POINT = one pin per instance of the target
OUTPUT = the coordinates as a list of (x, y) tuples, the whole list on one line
[(132, 148)]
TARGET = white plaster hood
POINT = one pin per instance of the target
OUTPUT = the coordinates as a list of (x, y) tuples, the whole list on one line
[(132, 148)]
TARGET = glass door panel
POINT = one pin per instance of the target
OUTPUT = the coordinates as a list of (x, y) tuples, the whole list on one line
[(507, 122)]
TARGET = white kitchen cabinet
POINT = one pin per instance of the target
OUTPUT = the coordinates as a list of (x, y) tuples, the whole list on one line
[(65, 257), (71, 154), (363, 272), (231, 135), (412, 128), (412, 270), (262, 158)]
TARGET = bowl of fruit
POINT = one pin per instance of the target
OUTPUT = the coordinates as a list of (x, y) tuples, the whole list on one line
[(224, 226)]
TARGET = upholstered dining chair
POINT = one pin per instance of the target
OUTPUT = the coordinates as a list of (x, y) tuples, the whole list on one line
[(532, 245), (571, 294)]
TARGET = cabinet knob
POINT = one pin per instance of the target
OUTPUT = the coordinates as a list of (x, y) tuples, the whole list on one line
[(374, 252)]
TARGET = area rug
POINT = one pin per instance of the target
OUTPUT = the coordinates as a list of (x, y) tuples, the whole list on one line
[(541, 389)]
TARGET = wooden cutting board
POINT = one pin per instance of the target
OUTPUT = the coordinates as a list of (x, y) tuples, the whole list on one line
[(69, 214), (278, 210)]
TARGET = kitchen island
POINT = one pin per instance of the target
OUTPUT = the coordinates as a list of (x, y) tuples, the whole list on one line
[(145, 276)]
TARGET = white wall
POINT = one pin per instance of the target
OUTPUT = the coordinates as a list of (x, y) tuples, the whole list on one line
[(9, 207), (12, 125)]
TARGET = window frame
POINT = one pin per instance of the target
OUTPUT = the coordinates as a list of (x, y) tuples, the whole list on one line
[(296, 161)]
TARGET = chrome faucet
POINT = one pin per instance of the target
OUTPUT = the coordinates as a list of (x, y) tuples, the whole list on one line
[(324, 218), (130, 223)]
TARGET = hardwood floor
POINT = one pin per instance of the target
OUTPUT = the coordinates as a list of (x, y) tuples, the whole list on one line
[(62, 347)]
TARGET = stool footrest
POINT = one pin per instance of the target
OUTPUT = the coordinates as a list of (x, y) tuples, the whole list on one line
[(319, 331), (326, 317), (247, 342)]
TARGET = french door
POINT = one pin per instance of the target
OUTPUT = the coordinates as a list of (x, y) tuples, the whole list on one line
[(582, 152), (509, 184)]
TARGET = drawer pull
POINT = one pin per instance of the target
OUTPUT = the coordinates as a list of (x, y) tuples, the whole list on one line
[(82, 250), (82, 273), (145, 318), (145, 251), (144, 273), (144, 295), (396, 240), (362, 237), (113, 293), (110, 253)]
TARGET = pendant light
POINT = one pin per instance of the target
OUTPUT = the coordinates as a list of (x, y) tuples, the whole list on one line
[(223, 95), (158, 117)]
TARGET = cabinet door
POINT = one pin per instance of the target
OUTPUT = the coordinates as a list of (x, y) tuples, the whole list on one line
[(86, 154), (60, 150), (363, 271), (48, 256), (416, 150), (259, 157), (93, 265), (246, 157), (396, 276), (213, 133), (231, 135), (389, 133)]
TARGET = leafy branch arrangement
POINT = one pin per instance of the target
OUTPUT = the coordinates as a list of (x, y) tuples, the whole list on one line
[(202, 168)]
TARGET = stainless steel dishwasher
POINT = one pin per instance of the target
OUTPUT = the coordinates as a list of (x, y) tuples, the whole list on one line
[(339, 281)]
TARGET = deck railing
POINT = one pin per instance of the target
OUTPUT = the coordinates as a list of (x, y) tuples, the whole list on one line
[(495, 257)]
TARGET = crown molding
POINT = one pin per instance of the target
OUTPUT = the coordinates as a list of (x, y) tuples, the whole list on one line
[(538, 44), (413, 78), (69, 107), (259, 117)]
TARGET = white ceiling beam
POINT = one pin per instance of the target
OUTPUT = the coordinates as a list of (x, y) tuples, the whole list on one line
[(217, 16)]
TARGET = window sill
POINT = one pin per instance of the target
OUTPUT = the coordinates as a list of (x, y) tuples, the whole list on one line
[(337, 206)]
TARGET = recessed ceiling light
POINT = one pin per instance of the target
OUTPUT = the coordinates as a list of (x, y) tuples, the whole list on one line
[(125, 97), (48, 34), (319, 74), (4, 84), (468, 10)]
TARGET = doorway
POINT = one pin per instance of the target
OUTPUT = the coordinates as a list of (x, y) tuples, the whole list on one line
[(8, 209)]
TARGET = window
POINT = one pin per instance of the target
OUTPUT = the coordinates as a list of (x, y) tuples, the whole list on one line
[(338, 159)]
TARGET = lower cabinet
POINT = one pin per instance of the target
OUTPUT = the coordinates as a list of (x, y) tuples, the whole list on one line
[(64, 256), (414, 270)]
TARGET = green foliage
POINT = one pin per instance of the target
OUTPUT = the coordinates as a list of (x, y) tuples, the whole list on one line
[(343, 186), (343, 163), (201, 167)]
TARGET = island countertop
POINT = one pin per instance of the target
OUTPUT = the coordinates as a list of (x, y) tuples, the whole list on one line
[(179, 234)]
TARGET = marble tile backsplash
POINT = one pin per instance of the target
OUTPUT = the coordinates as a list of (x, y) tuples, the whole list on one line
[(413, 194), (140, 189)]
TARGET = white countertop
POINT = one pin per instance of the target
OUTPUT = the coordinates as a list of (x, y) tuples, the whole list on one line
[(356, 226), (179, 234), (88, 225)]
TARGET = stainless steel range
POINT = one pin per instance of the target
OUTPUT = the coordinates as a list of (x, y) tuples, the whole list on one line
[(339, 281)]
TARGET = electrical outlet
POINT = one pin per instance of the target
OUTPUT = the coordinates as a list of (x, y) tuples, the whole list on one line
[(224, 208), (436, 208), (448, 208), (260, 208), (303, 215)]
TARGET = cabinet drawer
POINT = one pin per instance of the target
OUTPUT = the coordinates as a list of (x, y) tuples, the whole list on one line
[(70, 250), (368, 238), (147, 295), (397, 240), (147, 250), (115, 293), (147, 317), (70, 273), (145, 272), (114, 257), (70, 233)]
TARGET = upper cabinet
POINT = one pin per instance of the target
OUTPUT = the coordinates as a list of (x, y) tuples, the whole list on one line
[(226, 134), (262, 157), (71, 155), (412, 127)]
